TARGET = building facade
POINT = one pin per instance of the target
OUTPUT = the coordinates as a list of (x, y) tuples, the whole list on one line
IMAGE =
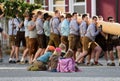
[(93, 7)]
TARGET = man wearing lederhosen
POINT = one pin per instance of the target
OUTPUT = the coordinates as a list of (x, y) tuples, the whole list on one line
[(20, 36)]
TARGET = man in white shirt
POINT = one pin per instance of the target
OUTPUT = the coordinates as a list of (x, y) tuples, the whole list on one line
[(20, 36), (89, 43)]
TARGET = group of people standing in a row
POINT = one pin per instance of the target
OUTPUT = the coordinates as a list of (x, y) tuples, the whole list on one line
[(40, 31)]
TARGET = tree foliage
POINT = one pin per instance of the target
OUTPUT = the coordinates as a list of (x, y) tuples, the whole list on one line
[(2, 1), (13, 6)]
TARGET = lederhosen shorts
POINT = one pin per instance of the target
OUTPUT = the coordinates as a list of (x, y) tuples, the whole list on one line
[(20, 37)]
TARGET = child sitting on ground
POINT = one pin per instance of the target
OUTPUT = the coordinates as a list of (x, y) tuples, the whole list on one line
[(54, 60), (40, 63), (63, 49), (67, 64)]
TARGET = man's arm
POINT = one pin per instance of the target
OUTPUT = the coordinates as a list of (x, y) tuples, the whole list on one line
[(83, 29), (74, 26), (31, 27), (18, 24), (55, 23), (93, 32)]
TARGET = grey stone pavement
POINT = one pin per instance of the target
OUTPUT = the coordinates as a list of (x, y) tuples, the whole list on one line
[(17, 72)]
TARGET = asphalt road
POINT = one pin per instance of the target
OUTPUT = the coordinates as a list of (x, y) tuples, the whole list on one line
[(17, 72)]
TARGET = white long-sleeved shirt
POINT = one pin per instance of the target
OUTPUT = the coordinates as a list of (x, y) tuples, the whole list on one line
[(26, 27), (65, 27), (83, 28), (74, 27), (39, 26), (11, 31), (46, 27), (92, 32), (17, 22), (54, 23), (32, 33)]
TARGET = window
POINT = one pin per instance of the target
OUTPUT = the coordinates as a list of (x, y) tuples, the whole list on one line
[(58, 2), (80, 6), (79, 1), (79, 9), (59, 5)]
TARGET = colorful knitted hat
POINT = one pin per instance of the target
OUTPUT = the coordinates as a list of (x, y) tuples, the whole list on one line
[(51, 48)]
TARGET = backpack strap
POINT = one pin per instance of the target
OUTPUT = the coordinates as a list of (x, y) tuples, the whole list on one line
[(19, 22)]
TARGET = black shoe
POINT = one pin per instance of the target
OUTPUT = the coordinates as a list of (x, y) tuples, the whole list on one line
[(10, 61), (13, 62), (108, 64), (91, 64), (26, 61), (87, 64), (18, 61), (99, 64), (112, 64)]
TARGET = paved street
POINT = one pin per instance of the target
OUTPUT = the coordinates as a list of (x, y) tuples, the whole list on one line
[(17, 72)]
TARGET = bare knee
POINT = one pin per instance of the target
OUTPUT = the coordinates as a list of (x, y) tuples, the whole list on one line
[(98, 48)]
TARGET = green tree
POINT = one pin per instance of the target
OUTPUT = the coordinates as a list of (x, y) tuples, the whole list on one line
[(1, 1), (13, 6)]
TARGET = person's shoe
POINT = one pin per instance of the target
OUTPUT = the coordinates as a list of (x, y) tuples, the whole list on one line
[(108, 64), (18, 61), (1, 60), (22, 62), (26, 61), (87, 64), (99, 64), (13, 62), (91, 64), (10, 61), (112, 64)]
